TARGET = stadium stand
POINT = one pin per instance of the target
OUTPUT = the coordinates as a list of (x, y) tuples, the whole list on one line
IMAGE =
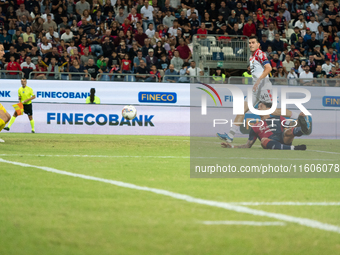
[(69, 33)]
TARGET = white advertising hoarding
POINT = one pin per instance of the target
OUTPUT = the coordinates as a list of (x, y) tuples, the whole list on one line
[(104, 119)]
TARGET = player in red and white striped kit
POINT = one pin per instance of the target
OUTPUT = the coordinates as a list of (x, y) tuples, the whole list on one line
[(262, 89)]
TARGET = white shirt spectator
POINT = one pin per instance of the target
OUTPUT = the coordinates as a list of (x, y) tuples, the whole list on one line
[(173, 31), (51, 37), (45, 47), (194, 71), (175, 3), (150, 33), (313, 26), (24, 65), (300, 24), (168, 21), (147, 12), (44, 16), (327, 68), (292, 78), (67, 37), (189, 13), (287, 65), (307, 76), (314, 8), (300, 70), (81, 7)]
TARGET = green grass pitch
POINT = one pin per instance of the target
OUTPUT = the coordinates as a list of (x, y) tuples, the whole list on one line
[(48, 213)]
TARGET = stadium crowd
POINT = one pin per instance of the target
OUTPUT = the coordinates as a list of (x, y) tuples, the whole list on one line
[(154, 38)]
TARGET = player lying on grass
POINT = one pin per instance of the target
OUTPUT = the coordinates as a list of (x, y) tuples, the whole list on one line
[(262, 89), (272, 134)]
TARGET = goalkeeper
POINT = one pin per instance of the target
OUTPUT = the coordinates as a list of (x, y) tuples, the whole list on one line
[(26, 96)]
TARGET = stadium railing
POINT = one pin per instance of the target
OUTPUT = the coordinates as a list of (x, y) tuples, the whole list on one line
[(321, 82), (37, 75), (224, 51), (8, 74)]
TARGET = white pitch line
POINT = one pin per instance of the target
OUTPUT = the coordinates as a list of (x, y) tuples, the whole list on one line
[(330, 152), (248, 223), (288, 203), (236, 208), (170, 157)]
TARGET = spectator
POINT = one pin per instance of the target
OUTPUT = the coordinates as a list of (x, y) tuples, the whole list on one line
[(335, 45), (306, 77), (40, 67), (301, 23), (319, 73), (150, 32), (11, 53), (281, 22), (122, 50), (136, 60), (107, 47), (99, 18), (249, 28), (194, 23), (295, 36), (46, 14), (67, 36), (92, 69), (292, 77), (236, 32), (53, 54), (182, 20), (126, 64), (85, 58), (311, 43), (308, 35), (275, 62), (151, 59), (308, 14), (142, 71), (168, 20), (23, 24), (176, 61), (134, 18), (49, 23), (271, 32), (6, 39), (121, 16), (327, 67), (173, 30), (13, 66), (264, 43), (277, 44), (183, 73), (20, 46), (168, 74), (147, 12), (81, 6), (313, 25), (184, 51), (114, 62), (224, 10), (38, 25), (146, 47), (311, 63), (332, 56), (326, 24), (94, 41), (77, 68), (155, 75), (36, 11), (22, 12), (287, 64), (314, 7), (52, 36), (27, 67), (301, 46), (53, 70), (163, 63), (159, 50), (194, 71), (318, 56), (333, 75), (107, 8), (27, 35)]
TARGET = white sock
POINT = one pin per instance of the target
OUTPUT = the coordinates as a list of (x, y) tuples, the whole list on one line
[(292, 147), (295, 115), (233, 130)]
